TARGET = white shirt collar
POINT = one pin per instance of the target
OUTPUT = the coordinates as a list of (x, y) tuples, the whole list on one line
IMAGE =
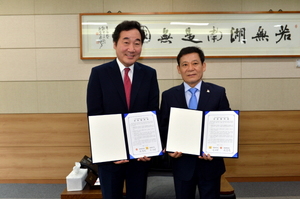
[(187, 87), (121, 66)]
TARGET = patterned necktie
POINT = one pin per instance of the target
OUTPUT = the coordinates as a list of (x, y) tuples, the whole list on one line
[(193, 101), (127, 86)]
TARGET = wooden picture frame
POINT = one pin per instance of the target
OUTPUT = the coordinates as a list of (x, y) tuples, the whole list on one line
[(220, 34)]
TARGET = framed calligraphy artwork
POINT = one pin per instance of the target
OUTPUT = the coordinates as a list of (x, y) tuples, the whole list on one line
[(220, 35)]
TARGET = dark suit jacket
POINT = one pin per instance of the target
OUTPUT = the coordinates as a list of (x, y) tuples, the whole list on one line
[(106, 94), (212, 98)]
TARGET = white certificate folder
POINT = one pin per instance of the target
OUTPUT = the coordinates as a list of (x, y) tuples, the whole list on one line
[(112, 141), (107, 138), (184, 133), (212, 132)]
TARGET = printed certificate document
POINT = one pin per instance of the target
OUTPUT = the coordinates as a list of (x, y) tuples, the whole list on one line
[(107, 138), (184, 134), (143, 134), (220, 137)]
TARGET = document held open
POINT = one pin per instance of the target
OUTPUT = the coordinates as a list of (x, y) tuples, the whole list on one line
[(214, 133), (108, 136)]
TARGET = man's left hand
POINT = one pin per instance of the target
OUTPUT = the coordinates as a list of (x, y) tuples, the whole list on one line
[(206, 157), (144, 159)]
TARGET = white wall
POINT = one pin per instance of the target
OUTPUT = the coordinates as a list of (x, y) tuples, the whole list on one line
[(41, 70)]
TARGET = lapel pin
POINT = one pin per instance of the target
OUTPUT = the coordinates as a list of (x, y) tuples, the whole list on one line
[(208, 91)]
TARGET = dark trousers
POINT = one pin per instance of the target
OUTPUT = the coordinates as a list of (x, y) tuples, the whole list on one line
[(112, 177), (208, 189)]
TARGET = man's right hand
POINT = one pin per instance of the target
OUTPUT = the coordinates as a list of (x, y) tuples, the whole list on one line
[(175, 154), (121, 161)]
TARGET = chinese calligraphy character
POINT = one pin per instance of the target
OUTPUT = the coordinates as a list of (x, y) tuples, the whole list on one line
[(284, 33), (165, 37), (239, 34), (103, 35), (261, 35), (190, 37), (147, 34), (215, 35)]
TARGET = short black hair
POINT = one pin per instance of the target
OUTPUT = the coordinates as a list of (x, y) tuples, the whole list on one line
[(191, 49), (125, 26)]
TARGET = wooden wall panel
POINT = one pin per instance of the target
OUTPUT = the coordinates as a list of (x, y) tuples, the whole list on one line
[(269, 127), (44, 130), (265, 161), (43, 147), (39, 163)]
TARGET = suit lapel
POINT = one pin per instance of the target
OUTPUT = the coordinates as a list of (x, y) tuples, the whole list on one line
[(180, 96), (137, 79), (204, 96), (117, 81)]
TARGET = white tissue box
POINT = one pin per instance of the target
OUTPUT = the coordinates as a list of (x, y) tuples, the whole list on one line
[(76, 181)]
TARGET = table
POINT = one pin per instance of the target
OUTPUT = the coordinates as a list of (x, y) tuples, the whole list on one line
[(86, 193)]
